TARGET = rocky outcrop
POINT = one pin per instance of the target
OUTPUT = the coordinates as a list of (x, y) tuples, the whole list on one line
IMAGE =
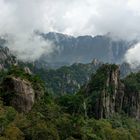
[(19, 88), (103, 88), (20, 93), (27, 70), (107, 94)]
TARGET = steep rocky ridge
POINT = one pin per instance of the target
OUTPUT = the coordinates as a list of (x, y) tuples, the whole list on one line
[(83, 49), (107, 94)]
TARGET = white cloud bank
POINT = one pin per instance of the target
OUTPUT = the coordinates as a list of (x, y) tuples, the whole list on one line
[(133, 56), (18, 21), (20, 18)]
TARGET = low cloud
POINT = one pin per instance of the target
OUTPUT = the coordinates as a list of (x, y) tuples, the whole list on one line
[(29, 47), (133, 56), (20, 18)]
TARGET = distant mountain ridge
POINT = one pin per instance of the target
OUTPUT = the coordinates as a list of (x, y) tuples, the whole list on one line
[(84, 48)]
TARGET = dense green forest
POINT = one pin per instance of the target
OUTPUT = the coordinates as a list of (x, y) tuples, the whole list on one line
[(66, 79), (69, 79), (64, 117)]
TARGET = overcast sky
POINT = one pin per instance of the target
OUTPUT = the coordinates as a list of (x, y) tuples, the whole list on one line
[(75, 17)]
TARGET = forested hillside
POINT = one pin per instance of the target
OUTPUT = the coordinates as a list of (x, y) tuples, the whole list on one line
[(69, 70), (69, 79), (44, 116)]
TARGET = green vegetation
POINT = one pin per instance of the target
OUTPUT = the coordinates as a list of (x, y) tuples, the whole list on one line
[(63, 117), (67, 79), (51, 121), (18, 72), (132, 82)]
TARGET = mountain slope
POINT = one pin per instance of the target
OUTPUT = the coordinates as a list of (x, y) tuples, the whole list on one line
[(69, 79), (59, 118), (20, 89), (82, 49), (106, 94), (85, 48)]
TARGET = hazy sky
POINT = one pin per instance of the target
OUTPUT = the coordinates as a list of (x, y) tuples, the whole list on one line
[(76, 17), (20, 18)]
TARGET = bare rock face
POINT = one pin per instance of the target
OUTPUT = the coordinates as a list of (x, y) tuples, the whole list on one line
[(119, 101), (21, 92), (103, 89), (109, 95), (112, 84)]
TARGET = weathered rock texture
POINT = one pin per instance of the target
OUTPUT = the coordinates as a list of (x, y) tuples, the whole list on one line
[(109, 95), (20, 93)]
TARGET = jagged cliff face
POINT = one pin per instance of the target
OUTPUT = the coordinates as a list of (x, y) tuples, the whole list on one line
[(103, 89), (85, 48), (107, 94)]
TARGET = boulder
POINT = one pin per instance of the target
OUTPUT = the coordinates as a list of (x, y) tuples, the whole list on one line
[(19, 93)]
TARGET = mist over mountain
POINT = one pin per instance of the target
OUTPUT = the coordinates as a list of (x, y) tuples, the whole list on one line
[(85, 48), (69, 70), (20, 19), (67, 50)]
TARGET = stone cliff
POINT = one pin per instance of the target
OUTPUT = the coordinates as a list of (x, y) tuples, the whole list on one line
[(22, 93), (107, 94), (21, 90)]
